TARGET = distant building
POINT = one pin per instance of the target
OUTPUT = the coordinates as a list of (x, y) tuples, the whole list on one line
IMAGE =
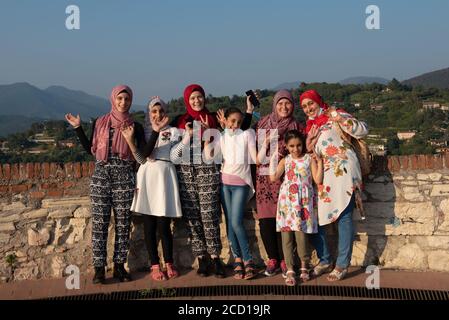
[(431, 105), (41, 138), (406, 135), (378, 149), (67, 143), (4, 146), (357, 105), (377, 107), (36, 150), (442, 150), (444, 108), (438, 143)]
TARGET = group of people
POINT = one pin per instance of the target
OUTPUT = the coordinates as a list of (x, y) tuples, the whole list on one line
[(306, 178)]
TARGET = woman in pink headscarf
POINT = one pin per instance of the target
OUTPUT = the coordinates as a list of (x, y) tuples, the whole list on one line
[(113, 181), (267, 192)]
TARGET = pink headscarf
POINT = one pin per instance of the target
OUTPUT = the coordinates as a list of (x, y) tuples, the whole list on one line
[(116, 120), (273, 121)]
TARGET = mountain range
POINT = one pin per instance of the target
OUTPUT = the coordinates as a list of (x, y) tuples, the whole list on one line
[(21, 104)]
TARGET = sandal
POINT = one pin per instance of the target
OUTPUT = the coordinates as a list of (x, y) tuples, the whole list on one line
[(291, 278), (239, 273), (321, 268), (305, 274), (336, 275), (172, 272), (250, 270), (157, 274)]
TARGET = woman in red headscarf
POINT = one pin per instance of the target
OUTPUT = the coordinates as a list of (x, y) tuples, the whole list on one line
[(113, 181), (342, 177)]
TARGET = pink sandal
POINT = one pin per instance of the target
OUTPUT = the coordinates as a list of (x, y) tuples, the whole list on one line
[(172, 272), (157, 274)]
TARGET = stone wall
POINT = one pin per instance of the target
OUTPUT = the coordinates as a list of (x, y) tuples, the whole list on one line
[(45, 220)]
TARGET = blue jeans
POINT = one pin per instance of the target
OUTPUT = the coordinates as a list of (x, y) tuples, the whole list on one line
[(345, 239), (233, 199)]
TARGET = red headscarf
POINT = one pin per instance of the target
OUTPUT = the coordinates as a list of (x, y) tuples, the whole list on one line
[(116, 120), (322, 118), (195, 115)]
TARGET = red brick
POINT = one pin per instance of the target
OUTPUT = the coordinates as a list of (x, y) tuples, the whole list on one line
[(1, 172), (68, 169), (422, 161), (19, 188), (77, 170), (404, 160), (438, 161), (429, 161), (414, 161), (15, 171), (47, 186), (7, 171), (55, 193), (4, 189), (394, 164), (46, 169), (446, 160), (23, 171), (53, 169), (37, 170), (85, 169), (91, 168), (30, 170), (68, 184), (37, 194)]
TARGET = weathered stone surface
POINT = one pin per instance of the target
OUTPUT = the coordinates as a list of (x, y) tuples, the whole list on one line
[(4, 238), (381, 192), (435, 176), (62, 231), (27, 272), (79, 227), (7, 227), (58, 265), (61, 213), (35, 214), (444, 226), (441, 190), (66, 201), (38, 238), (410, 256), (82, 212), (398, 218), (439, 260), (14, 206), (9, 217)]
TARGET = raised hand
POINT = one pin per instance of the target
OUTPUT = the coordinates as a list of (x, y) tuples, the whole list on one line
[(128, 132), (75, 122), (221, 118), (205, 122), (312, 138), (158, 125), (334, 115), (249, 105)]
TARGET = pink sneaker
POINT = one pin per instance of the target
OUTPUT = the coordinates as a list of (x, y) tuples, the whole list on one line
[(284, 269), (272, 268)]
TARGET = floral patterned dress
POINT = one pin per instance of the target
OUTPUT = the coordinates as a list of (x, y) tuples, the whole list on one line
[(342, 174), (296, 209)]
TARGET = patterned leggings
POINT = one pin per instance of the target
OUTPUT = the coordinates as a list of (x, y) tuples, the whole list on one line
[(200, 200), (112, 187)]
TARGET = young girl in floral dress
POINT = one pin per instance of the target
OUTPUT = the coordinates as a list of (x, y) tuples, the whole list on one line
[(296, 214)]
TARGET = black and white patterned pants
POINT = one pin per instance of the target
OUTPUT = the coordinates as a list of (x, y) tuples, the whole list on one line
[(112, 187), (199, 187)]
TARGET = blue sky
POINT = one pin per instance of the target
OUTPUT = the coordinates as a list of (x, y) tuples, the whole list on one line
[(158, 47)]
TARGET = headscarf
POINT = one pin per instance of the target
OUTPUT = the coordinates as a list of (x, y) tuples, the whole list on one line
[(195, 115), (322, 117), (273, 121), (116, 120), (147, 126)]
